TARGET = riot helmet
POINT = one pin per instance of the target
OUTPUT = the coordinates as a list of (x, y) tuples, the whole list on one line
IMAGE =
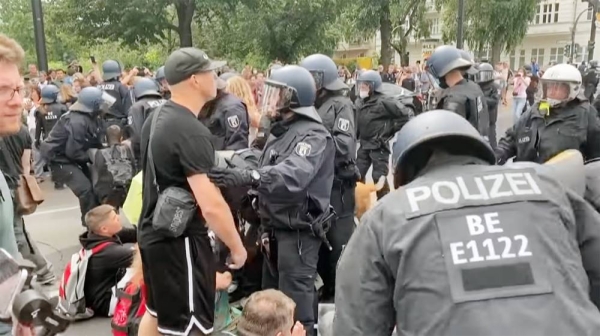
[(160, 74), (485, 74), (435, 130), (49, 94), (145, 87), (324, 71), (472, 71), (367, 82), (289, 88), (593, 64), (111, 69), (273, 68), (561, 84), (93, 100), (445, 59)]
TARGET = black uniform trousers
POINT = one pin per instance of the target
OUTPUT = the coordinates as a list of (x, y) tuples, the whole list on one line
[(492, 137), (342, 227), (295, 273), (79, 181), (380, 158)]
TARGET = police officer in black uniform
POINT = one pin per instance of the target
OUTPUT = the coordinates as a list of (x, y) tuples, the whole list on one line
[(293, 183), (463, 247), (337, 113), (459, 95), (147, 98), (485, 79), (590, 80), (227, 119), (563, 120), (162, 83), (265, 122), (117, 115), (66, 148), (379, 118)]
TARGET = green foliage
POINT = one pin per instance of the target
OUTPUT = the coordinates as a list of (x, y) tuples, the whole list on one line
[(489, 22)]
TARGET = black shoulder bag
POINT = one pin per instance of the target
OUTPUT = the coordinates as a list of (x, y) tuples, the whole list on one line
[(175, 206)]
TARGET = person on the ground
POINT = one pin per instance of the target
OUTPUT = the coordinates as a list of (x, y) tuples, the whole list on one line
[(564, 119), (293, 182), (181, 159), (337, 113), (464, 247), (106, 267)]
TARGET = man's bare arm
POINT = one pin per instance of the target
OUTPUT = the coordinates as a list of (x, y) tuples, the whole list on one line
[(216, 211)]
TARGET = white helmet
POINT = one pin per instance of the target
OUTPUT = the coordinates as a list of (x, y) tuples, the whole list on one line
[(564, 74)]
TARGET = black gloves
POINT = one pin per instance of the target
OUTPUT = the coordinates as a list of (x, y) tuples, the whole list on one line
[(349, 173), (232, 177)]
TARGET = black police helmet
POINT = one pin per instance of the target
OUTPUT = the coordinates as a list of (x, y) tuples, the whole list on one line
[(160, 74), (437, 129), (272, 69), (145, 87), (92, 100), (467, 57), (324, 71), (485, 73), (49, 94), (111, 69), (302, 85), (445, 59), (370, 76)]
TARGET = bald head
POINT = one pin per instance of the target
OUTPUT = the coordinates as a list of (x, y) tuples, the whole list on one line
[(267, 313), (113, 135)]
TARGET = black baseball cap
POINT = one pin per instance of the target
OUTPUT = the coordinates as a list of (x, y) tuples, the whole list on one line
[(185, 62)]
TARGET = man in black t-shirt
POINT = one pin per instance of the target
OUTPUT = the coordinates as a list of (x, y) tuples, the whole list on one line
[(179, 273)]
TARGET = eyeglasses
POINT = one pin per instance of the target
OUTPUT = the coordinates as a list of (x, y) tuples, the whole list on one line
[(8, 93)]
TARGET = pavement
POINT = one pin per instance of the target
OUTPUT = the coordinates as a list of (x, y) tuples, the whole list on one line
[(56, 225)]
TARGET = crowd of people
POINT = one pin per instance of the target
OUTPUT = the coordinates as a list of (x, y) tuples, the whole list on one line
[(458, 235)]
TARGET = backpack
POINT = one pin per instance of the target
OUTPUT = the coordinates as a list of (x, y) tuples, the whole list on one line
[(119, 162), (131, 306), (71, 297)]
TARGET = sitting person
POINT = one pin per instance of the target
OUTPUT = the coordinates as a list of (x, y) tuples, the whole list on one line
[(269, 313), (114, 168), (107, 266)]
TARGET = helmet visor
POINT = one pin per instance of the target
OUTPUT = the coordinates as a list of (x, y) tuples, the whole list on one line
[(107, 100), (318, 76), (485, 76), (557, 92), (275, 97), (364, 88)]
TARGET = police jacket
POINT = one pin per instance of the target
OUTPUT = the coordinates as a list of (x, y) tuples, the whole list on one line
[(467, 99), (337, 114), (71, 138), (297, 170), (44, 122), (538, 137), (472, 249), (138, 113), (490, 94), (123, 100), (227, 119), (379, 117)]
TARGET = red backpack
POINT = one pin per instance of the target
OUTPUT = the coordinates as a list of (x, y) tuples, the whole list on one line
[(131, 306)]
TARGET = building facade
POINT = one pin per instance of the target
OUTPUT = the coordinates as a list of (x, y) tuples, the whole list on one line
[(548, 34)]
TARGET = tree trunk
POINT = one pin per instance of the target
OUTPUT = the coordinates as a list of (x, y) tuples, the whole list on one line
[(496, 51), (185, 14), (385, 29)]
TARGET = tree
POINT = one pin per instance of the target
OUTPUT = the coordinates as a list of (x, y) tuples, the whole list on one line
[(499, 24), (16, 21), (396, 20)]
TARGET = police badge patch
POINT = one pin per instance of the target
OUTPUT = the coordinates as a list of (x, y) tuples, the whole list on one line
[(303, 149), (233, 121), (343, 124)]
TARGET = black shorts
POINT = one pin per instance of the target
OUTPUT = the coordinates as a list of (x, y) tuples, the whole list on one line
[(180, 282)]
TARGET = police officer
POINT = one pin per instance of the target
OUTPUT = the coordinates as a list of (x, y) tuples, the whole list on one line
[(467, 248), (485, 79), (227, 119), (66, 148), (379, 118), (590, 80), (563, 120), (459, 95), (162, 83), (147, 97), (117, 115), (293, 183), (262, 135), (337, 113)]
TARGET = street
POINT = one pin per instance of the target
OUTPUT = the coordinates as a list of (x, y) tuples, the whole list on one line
[(56, 227)]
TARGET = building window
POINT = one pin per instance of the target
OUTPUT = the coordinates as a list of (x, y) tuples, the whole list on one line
[(511, 59), (547, 13), (434, 26), (557, 55), (522, 58), (361, 55), (538, 55)]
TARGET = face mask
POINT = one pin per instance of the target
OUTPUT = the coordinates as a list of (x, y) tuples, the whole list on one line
[(363, 94)]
